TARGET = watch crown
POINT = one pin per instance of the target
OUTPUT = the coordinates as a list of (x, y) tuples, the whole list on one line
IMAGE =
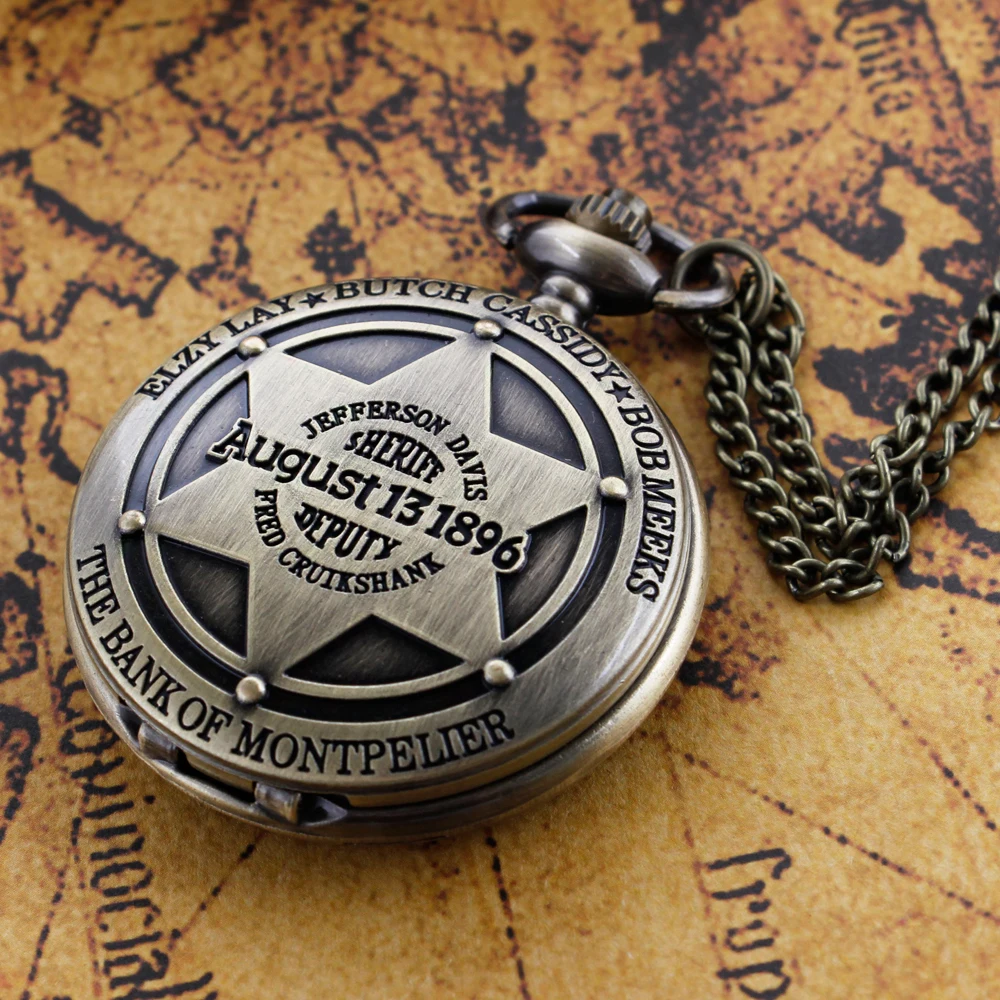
[(617, 213)]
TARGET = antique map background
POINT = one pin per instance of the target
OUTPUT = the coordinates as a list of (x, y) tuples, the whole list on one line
[(163, 164)]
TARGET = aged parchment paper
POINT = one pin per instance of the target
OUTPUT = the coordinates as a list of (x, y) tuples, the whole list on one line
[(812, 811)]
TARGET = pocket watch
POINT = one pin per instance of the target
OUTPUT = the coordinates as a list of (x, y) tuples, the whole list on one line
[(383, 558)]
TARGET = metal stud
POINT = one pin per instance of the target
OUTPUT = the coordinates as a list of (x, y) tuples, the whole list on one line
[(498, 673), (251, 689), (613, 488), (250, 347), (131, 522), (487, 329)]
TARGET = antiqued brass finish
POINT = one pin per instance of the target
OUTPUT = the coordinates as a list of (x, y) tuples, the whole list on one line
[(386, 557), (383, 558)]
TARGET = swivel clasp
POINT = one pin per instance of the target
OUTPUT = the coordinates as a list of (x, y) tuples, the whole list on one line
[(590, 255)]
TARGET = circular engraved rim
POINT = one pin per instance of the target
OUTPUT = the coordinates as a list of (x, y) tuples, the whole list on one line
[(620, 650)]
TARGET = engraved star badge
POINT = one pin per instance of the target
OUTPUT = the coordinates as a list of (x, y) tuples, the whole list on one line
[(402, 496)]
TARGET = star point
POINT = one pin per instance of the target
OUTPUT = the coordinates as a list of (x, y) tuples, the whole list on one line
[(351, 528), (620, 392)]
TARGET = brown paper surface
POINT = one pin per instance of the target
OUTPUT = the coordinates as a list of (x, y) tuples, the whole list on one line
[(162, 164)]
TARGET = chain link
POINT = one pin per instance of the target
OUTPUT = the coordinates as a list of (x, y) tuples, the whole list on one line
[(827, 539)]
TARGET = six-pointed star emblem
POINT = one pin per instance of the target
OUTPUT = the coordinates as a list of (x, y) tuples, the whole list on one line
[(455, 608)]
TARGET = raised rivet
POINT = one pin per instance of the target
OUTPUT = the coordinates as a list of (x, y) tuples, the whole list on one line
[(614, 488), (498, 673), (250, 347), (487, 329), (131, 522), (251, 689)]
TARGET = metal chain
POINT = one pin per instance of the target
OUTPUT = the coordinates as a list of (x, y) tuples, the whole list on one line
[(825, 539)]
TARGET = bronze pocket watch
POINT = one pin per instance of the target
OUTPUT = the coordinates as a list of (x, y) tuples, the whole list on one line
[(386, 557)]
